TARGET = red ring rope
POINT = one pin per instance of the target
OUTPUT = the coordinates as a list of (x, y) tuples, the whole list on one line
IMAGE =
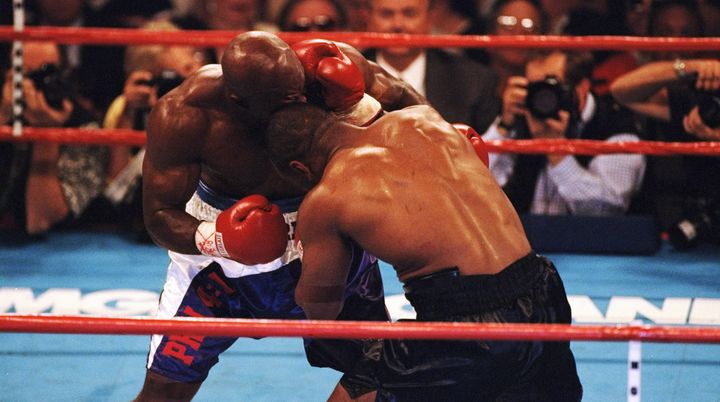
[(351, 329), (538, 146), (116, 36), (359, 329), (212, 38), (76, 135)]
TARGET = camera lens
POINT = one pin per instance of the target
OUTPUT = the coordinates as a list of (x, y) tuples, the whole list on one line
[(547, 97), (543, 102), (709, 110)]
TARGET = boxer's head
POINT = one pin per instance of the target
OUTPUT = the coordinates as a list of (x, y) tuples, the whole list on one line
[(294, 139), (261, 73)]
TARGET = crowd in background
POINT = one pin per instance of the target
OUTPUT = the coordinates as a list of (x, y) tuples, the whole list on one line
[(503, 93)]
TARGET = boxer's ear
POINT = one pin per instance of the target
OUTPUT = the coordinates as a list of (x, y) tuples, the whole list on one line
[(301, 168)]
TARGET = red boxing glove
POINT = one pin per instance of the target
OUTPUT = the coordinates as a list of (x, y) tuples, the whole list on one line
[(341, 82), (252, 231), (477, 142)]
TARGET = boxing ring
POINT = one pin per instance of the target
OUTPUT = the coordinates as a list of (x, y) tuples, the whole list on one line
[(68, 304)]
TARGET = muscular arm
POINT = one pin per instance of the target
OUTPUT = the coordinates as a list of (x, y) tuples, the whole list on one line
[(171, 171), (392, 93), (325, 261)]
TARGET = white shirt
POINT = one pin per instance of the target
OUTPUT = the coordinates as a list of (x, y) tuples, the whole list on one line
[(605, 187), (414, 74)]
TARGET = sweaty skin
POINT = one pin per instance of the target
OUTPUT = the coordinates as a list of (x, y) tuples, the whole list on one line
[(210, 127), (410, 190)]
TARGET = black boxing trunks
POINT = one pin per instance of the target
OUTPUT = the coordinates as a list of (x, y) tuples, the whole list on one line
[(528, 291), (204, 286)]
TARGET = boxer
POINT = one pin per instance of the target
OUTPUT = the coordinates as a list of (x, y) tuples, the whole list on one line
[(410, 189), (213, 199)]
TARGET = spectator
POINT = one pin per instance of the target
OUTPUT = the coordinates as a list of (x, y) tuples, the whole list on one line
[(674, 18), (674, 185), (358, 12), (559, 184), (458, 17), (233, 15), (667, 92), (513, 17), (95, 69), (638, 14), (151, 71), (603, 18), (458, 88), (52, 183), (312, 15), (558, 12), (710, 11)]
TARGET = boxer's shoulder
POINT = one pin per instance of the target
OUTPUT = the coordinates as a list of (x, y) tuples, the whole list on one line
[(202, 90)]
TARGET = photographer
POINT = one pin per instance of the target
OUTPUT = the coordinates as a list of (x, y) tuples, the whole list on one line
[(554, 100), (45, 184), (681, 99), (670, 91), (151, 71)]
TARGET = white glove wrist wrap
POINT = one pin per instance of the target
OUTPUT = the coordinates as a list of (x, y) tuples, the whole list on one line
[(209, 241), (362, 113)]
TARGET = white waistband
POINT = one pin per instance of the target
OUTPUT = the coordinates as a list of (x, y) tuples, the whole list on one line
[(205, 212)]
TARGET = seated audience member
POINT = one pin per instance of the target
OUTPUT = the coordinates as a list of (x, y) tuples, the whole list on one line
[(553, 100), (453, 17), (53, 183), (95, 68), (151, 71), (638, 13), (674, 19), (312, 16), (675, 186), (681, 98), (710, 11), (358, 12), (457, 87), (604, 18), (450, 233), (458, 17), (513, 17), (558, 12), (228, 15)]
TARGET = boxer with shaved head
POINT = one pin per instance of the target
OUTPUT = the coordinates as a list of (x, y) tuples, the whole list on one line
[(214, 200)]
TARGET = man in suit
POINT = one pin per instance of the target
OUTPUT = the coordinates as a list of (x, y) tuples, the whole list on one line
[(460, 89)]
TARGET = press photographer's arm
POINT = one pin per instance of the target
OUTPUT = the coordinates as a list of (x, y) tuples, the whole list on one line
[(644, 90)]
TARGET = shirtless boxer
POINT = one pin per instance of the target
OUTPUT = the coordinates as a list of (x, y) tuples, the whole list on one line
[(409, 189), (204, 153)]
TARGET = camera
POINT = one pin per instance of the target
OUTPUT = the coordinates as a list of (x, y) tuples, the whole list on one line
[(709, 108), (49, 80), (547, 97), (165, 82), (708, 102), (701, 224)]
